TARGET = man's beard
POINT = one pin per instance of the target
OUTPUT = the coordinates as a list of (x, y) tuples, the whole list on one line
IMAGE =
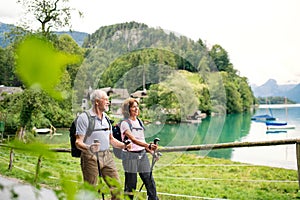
[(106, 108)]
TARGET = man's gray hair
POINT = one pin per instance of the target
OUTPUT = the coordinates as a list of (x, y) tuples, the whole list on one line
[(97, 94)]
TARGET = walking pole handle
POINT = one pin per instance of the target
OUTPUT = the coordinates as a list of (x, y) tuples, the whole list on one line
[(97, 156), (156, 140), (98, 166)]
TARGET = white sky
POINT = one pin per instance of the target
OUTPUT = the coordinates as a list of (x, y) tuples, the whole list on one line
[(262, 37)]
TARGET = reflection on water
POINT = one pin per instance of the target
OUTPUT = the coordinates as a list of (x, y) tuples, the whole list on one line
[(236, 127), (276, 156)]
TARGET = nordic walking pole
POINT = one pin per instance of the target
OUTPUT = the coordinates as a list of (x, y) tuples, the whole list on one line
[(98, 164), (156, 140)]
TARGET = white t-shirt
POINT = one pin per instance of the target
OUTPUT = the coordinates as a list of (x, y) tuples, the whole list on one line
[(137, 131), (101, 135)]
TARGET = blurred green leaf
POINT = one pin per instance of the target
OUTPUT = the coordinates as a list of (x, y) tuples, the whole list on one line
[(40, 65), (33, 148)]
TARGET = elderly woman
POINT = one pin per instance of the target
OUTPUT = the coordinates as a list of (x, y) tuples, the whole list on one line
[(135, 160)]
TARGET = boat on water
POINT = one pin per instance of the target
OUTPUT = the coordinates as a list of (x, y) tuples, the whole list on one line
[(263, 118), (273, 131), (281, 127), (266, 117), (276, 123), (43, 131)]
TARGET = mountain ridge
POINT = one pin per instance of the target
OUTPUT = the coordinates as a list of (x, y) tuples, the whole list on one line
[(272, 88), (78, 36)]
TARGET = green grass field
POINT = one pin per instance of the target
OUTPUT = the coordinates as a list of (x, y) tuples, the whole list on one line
[(177, 175)]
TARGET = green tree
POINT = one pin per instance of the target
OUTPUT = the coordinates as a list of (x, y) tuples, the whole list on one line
[(203, 68), (29, 103), (176, 100), (49, 13), (201, 43), (219, 57), (246, 93), (33, 108), (7, 68), (66, 44), (43, 63), (204, 99), (234, 101)]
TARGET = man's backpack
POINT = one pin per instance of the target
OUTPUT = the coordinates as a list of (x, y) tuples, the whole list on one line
[(75, 152), (118, 135)]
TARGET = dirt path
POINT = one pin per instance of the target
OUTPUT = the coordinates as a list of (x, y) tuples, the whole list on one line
[(12, 188)]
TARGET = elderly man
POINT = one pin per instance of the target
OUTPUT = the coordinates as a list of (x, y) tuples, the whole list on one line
[(103, 135)]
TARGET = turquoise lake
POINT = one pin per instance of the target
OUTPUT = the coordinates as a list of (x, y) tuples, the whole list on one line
[(236, 128)]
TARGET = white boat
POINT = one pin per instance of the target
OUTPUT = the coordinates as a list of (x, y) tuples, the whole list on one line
[(281, 127), (51, 130), (42, 130)]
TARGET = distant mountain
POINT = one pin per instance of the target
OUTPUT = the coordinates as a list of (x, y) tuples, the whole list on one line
[(4, 28), (294, 93), (271, 88), (267, 89), (79, 37)]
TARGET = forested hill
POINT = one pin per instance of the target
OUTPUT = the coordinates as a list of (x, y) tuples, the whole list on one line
[(171, 67), (121, 48), (127, 37)]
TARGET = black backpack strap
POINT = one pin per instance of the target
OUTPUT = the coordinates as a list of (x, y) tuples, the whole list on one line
[(141, 123), (130, 126), (129, 123), (92, 119), (91, 125), (109, 121)]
